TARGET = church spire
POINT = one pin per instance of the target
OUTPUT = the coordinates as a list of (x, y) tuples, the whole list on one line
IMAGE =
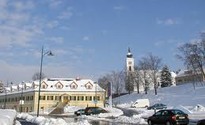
[(129, 54)]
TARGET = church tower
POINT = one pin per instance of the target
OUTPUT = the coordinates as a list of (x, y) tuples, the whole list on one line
[(131, 68), (130, 62)]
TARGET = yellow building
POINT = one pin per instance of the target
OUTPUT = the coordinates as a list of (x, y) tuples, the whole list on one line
[(54, 91)]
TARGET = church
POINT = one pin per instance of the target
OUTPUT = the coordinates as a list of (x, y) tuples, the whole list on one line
[(136, 75)]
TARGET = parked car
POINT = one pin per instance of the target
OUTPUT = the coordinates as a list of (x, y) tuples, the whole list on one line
[(201, 122), (94, 110), (80, 112), (169, 117), (157, 106), (140, 103)]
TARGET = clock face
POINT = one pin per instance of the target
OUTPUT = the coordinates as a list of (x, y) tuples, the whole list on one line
[(130, 63)]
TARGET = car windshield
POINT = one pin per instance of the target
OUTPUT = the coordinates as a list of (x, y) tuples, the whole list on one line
[(177, 112)]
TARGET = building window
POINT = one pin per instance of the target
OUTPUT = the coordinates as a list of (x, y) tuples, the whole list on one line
[(88, 98), (49, 97), (73, 98), (57, 97), (80, 98), (89, 87), (44, 86), (65, 97), (27, 98), (59, 86), (31, 97), (42, 97), (130, 68), (73, 86)]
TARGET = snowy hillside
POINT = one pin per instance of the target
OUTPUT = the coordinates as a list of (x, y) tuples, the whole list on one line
[(185, 95)]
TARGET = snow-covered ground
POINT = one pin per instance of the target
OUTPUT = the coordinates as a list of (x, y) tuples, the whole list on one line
[(184, 97), (7, 116)]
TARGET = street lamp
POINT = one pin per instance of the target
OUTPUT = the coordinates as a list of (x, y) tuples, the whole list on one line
[(95, 101), (48, 53), (5, 98), (22, 100)]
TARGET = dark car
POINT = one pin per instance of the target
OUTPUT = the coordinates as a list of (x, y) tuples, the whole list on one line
[(94, 110), (80, 112), (201, 122), (169, 117), (157, 106)]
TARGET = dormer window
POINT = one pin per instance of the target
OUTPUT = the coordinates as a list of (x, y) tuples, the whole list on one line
[(59, 85), (44, 85), (73, 85), (88, 85)]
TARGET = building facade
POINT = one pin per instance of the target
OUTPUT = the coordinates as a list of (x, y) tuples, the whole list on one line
[(53, 91), (187, 76)]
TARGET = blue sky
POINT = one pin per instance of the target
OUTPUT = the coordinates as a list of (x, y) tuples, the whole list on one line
[(90, 38)]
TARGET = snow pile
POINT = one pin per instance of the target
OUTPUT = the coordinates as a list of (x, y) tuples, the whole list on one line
[(7, 116), (198, 108), (71, 109), (49, 121), (184, 109)]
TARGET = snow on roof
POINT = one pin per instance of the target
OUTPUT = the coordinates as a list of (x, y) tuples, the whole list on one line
[(67, 84)]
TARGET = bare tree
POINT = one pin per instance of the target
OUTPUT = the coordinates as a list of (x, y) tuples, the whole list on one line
[(36, 76), (143, 69), (148, 69), (154, 63), (117, 80), (193, 56)]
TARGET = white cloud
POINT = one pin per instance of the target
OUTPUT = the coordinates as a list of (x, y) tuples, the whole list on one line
[(67, 14), (22, 5), (54, 3), (52, 24), (86, 38), (118, 8), (58, 40), (168, 21)]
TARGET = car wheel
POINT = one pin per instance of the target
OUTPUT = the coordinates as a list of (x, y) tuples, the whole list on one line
[(168, 123), (150, 122)]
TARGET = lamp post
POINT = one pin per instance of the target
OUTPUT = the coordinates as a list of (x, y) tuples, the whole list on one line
[(95, 101), (22, 100), (48, 53), (5, 98)]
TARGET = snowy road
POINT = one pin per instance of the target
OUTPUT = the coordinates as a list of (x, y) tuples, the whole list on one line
[(128, 112)]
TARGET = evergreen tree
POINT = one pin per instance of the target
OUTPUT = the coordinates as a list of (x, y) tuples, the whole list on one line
[(1, 87), (166, 79), (129, 83)]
